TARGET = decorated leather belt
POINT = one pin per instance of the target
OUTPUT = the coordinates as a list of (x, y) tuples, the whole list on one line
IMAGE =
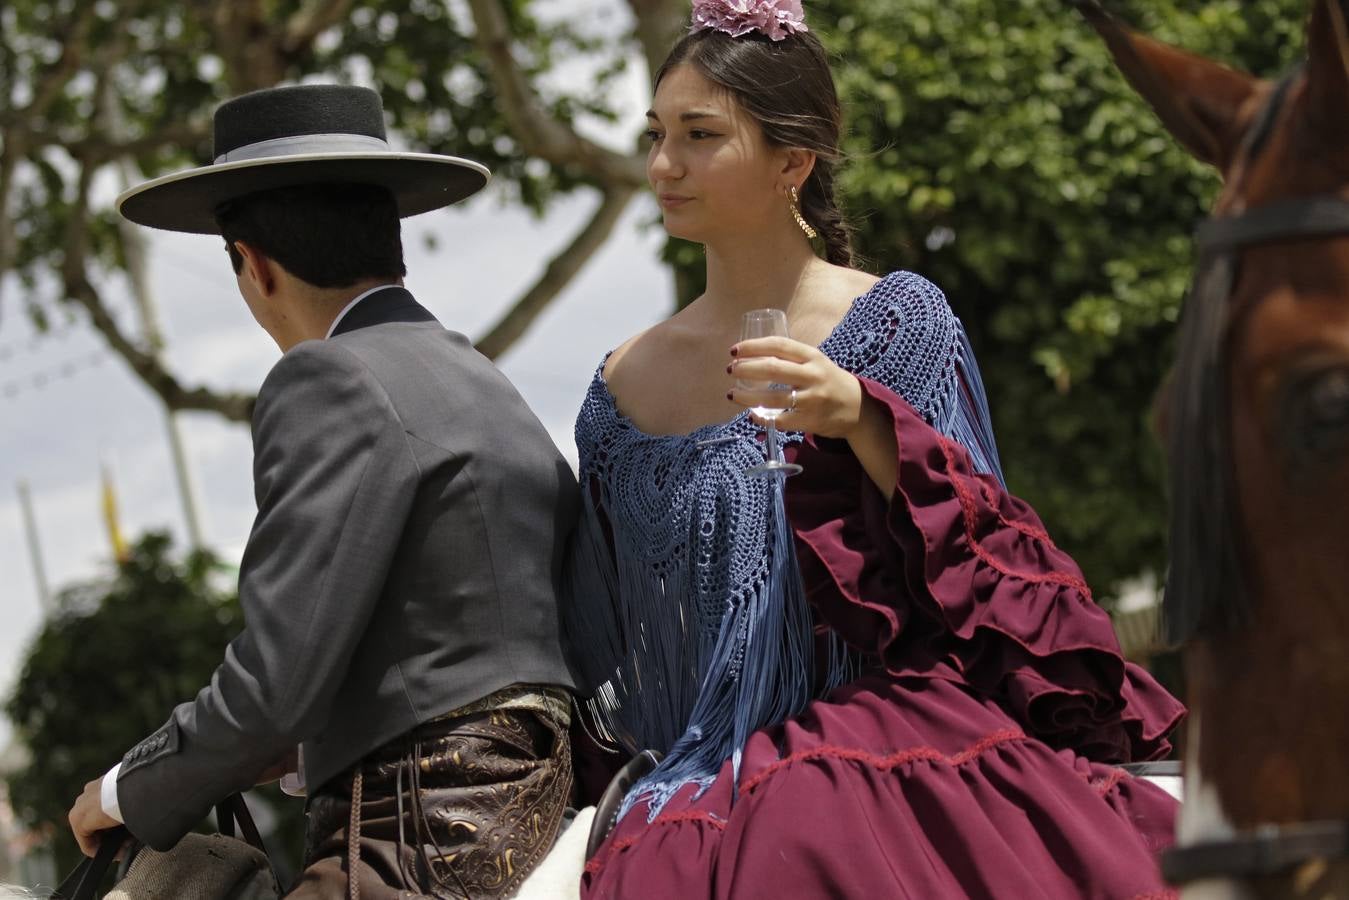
[(464, 805)]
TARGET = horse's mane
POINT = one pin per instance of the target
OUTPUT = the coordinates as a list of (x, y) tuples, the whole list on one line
[(1206, 587)]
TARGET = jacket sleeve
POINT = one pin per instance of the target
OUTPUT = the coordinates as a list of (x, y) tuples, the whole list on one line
[(334, 480)]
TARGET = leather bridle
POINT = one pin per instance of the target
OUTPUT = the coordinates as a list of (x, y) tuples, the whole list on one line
[(1268, 850)]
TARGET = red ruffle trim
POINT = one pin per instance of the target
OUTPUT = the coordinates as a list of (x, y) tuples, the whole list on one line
[(954, 575), (885, 763), (613, 848)]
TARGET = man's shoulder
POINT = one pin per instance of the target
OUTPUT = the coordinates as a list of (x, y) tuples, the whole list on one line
[(375, 351), (401, 341), (321, 380), (313, 360)]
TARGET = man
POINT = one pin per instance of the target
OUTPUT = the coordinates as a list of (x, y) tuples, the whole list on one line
[(399, 583)]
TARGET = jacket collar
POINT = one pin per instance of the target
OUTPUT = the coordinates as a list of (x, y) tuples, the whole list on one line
[(390, 304)]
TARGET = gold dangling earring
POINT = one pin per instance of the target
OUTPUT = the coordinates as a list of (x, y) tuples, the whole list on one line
[(794, 204)]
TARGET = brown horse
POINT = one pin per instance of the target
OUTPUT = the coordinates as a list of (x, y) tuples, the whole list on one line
[(1256, 422)]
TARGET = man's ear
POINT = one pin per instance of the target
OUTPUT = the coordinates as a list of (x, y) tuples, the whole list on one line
[(258, 268), (1200, 102), (1328, 67)]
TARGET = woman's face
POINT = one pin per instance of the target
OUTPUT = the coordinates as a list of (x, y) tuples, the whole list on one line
[(713, 172)]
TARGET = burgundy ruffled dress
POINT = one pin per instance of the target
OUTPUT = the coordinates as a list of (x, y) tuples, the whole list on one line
[(973, 759)]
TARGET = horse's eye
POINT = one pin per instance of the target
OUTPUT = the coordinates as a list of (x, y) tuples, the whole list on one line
[(1328, 402), (1314, 414)]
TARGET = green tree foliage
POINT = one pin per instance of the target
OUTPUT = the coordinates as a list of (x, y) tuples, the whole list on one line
[(108, 667), (994, 148)]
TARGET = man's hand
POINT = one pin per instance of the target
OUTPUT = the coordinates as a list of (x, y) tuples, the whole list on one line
[(284, 765), (87, 817)]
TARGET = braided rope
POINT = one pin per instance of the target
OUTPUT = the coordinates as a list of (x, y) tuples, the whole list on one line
[(354, 836)]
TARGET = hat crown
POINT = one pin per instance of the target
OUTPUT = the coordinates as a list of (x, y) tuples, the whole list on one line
[(285, 112)]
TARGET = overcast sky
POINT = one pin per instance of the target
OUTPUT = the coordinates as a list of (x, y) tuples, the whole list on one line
[(55, 435)]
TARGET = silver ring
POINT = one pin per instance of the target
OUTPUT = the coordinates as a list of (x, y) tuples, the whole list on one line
[(793, 406)]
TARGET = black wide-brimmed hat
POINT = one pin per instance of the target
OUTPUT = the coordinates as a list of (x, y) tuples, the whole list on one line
[(303, 134)]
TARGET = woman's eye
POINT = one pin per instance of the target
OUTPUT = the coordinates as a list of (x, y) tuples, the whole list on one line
[(698, 135), (653, 135)]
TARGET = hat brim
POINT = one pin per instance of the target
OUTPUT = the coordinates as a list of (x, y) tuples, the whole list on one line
[(186, 201)]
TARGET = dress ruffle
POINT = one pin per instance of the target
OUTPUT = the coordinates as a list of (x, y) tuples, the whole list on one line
[(972, 760), (896, 787), (954, 575)]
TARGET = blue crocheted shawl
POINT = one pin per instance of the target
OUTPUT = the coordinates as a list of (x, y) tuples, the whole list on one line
[(686, 613)]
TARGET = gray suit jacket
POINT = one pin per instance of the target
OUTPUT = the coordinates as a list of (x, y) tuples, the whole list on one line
[(412, 517)]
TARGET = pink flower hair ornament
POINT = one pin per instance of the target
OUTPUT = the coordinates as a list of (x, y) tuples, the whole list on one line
[(777, 19)]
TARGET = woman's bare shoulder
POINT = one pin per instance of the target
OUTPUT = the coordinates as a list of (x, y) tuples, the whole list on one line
[(832, 293), (849, 284), (644, 348)]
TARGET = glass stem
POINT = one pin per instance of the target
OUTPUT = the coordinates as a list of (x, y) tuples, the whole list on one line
[(772, 440)]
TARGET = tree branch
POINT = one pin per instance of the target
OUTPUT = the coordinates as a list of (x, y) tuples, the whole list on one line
[(98, 148), (74, 38), (659, 25), (311, 20), (10, 153), (147, 366), (560, 271), (179, 134), (249, 46), (539, 133)]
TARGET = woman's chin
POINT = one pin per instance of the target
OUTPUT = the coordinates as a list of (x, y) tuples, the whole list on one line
[(682, 229)]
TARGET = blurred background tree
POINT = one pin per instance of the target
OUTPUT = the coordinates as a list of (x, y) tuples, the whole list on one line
[(109, 666)]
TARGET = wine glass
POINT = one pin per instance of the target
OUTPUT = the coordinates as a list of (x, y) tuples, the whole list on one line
[(769, 399)]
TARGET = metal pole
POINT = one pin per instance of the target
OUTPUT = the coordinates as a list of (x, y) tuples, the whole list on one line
[(187, 488), (133, 245), (34, 546)]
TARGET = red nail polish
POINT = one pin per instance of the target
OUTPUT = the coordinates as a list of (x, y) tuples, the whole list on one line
[(730, 395), (728, 370), (735, 351)]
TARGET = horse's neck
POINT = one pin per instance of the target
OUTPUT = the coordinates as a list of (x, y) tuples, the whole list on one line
[(1268, 758), (1275, 722), (1202, 820), (1201, 815)]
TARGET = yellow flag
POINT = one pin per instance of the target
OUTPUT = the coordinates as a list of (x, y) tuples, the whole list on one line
[(119, 550)]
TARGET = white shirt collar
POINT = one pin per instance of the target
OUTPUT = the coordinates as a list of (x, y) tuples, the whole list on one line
[(357, 299)]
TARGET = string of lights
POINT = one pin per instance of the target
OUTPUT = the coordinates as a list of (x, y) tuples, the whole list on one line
[(41, 379), (34, 343), (11, 351)]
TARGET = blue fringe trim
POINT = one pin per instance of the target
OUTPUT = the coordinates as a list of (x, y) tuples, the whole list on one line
[(761, 672), (652, 667), (970, 423)]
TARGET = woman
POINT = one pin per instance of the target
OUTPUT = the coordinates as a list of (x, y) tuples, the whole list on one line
[(897, 686)]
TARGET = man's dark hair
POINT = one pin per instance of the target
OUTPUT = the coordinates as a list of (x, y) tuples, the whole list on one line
[(329, 235)]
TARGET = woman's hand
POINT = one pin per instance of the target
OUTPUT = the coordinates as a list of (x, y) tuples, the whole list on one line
[(829, 401), (828, 398)]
